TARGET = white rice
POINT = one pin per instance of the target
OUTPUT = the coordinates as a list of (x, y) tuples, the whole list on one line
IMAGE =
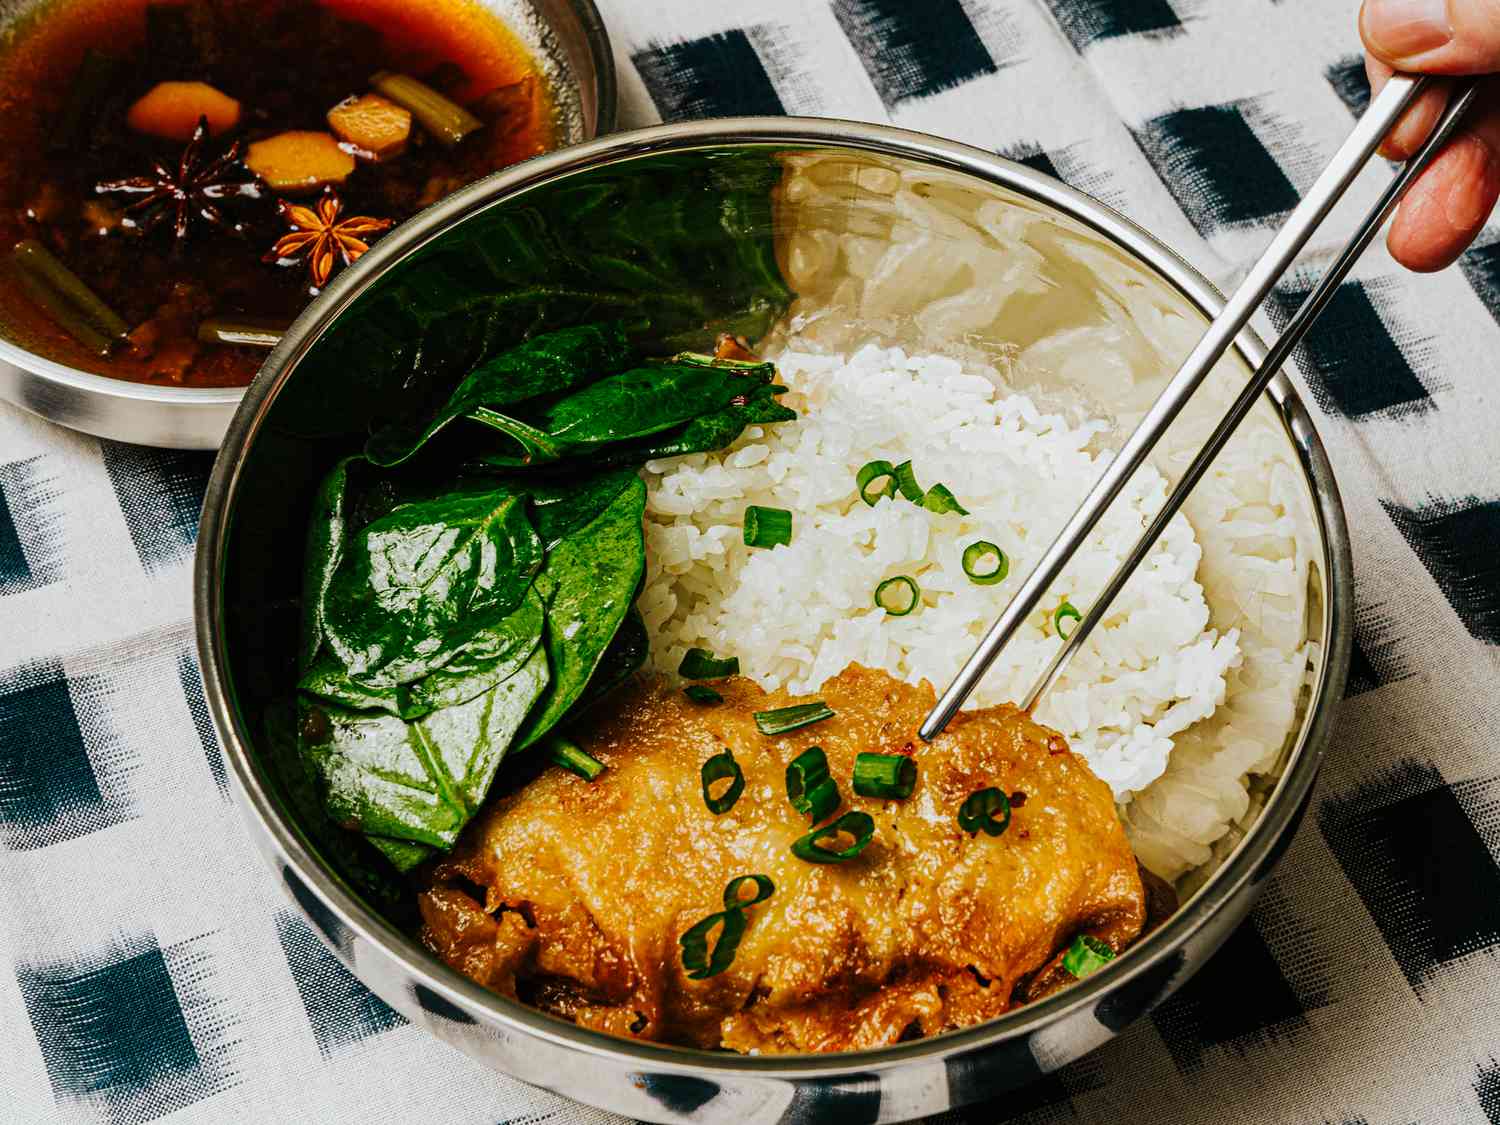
[(799, 614), (1186, 701)]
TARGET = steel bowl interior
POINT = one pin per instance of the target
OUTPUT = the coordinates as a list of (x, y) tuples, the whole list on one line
[(327, 383), (574, 52)]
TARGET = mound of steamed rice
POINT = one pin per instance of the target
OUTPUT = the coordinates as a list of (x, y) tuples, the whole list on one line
[(796, 615)]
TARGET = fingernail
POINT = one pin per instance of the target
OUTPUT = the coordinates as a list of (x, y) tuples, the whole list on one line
[(1403, 28)]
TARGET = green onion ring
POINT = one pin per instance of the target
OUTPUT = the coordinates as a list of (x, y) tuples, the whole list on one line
[(1065, 612), (700, 693), (857, 824), (767, 527), (1087, 955), (890, 777), (785, 719), (764, 889), (976, 553), (696, 958), (717, 768), (885, 600), (881, 472), (906, 482), (940, 499), (808, 786), (700, 664), (978, 812)]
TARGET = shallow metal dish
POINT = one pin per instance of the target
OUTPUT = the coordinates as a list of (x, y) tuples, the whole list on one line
[(246, 584), (569, 40)]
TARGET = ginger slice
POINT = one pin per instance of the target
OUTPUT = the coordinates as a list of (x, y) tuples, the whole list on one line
[(299, 162)]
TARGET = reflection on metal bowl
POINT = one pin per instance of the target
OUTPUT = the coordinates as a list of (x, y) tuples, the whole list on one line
[(568, 39), (299, 417)]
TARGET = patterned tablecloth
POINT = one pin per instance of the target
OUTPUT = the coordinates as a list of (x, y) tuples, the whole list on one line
[(150, 968)]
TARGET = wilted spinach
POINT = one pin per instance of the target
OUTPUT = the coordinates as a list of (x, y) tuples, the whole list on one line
[(625, 407), (420, 781), (493, 655), (551, 364), (456, 611), (682, 240), (417, 585), (596, 572)]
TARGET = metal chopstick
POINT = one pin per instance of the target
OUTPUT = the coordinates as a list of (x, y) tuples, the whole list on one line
[(1296, 327), (1325, 193)]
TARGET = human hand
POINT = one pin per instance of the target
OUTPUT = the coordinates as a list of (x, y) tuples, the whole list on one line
[(1447, 206)]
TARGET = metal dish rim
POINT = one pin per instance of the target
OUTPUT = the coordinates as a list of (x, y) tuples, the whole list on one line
[(1247, 862)]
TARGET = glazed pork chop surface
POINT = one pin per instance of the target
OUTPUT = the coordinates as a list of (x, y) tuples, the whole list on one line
[(572, 895)]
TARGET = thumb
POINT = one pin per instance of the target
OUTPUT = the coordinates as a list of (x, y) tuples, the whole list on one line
[(1433, 36)]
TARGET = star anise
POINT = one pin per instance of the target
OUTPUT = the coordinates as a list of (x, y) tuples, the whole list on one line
[(322, 237), (193, 188)]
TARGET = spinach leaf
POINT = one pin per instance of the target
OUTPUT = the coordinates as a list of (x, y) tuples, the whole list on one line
[(624, 656), (596, 572), (559, 508), (327, 679), (403, 854), (493, 655), (327, 532), (418, 584), (549, 364), (630, 405), (707, 432), (299, 785), (686, 243), (417, 782)]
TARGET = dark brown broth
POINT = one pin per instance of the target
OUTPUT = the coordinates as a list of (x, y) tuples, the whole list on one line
[(287, 62)]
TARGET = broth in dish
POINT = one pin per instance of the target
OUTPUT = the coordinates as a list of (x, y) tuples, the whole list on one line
[(178, 180)]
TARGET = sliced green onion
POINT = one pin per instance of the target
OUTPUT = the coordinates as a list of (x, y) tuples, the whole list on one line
[(767, 527), (722, 767), (939, 499), (764, 889), (574, 758), (979, 568), (446, 120), (1065, 612), (881, 474), (898, 596), (808, 786), (700, 693), (1087, 955), (906, 482), (977, 814), (63, 294), (242, 331), (859, 825), (785, 719), (700, 664), (887, 776), (696, 957)]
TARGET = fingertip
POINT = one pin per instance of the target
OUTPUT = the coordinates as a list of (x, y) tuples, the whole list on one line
[(1414, 250), (1447, 207)]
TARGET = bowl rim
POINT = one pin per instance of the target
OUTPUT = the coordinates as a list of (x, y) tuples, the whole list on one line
[(1248, 861), (606, 116)]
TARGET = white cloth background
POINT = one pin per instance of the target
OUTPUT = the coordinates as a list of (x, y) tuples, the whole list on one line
[(158, 972)]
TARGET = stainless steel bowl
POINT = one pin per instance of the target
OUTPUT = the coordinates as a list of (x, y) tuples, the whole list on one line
[(569, 40), (293, 424)]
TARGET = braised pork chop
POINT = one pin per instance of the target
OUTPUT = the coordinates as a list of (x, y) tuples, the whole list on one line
[(587, 886)]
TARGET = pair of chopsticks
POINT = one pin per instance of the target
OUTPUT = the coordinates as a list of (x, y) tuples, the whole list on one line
[(1347, 163)]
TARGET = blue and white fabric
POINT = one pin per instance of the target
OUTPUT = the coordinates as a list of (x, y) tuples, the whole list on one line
[(151, 969)]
